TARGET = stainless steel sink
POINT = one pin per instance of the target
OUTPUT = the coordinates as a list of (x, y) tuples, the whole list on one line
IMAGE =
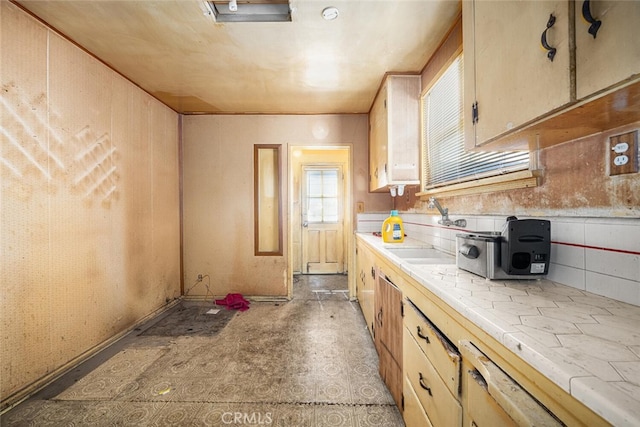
[(422, 255)]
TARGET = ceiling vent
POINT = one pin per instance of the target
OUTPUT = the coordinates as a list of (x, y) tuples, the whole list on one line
[(250, 10)]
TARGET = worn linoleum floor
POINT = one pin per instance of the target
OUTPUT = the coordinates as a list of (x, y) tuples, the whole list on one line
[(305, 362)]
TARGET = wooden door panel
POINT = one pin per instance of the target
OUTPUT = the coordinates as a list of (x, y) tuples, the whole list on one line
[(331, 246), (515, 82), (612, 56)]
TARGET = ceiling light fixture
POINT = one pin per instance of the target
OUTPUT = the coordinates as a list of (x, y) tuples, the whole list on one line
[(330, 13), (248, 11)]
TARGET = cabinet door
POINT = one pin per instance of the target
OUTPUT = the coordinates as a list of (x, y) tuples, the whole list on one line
[(378, 141), (391, 374), (614, 54), (394, 133), (388, 334), (378, 314), (403, 133), (506, 70), (391, 334), (365, 285)]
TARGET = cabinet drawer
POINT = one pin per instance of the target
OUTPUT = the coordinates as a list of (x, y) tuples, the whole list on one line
[(413, 413), (491, 397), (442, 354), (480, 408), (442, 408)]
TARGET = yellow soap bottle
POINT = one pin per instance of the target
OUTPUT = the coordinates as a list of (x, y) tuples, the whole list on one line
[(392, 229)]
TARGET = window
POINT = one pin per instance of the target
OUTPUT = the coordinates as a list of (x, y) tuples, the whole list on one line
[(322, 195), (267, 200), (445, 161)]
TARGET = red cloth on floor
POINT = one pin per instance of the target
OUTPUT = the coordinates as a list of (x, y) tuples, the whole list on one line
[(234, 302)]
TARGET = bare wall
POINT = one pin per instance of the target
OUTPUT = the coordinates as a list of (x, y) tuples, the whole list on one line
[(89, 203), (218, 193)]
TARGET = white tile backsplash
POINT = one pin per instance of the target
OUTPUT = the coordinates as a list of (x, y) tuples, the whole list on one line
[(570, 276), (568, 231), (614, 264), (613, 287), (613, 233), (570, 256), (600, 255)]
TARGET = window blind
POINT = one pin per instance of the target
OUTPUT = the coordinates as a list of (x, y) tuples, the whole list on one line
[(445, 160)]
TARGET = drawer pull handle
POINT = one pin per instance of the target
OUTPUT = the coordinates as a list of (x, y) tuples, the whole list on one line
[(586, 14), (423, 385), (551, 51), (424, 337)]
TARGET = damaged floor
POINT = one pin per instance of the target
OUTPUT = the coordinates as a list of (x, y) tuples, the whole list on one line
[(306, 362)]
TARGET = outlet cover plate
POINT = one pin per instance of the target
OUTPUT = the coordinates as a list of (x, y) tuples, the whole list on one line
[(631, 165)]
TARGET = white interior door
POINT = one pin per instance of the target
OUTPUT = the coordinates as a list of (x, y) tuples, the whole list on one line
[(322, 220)]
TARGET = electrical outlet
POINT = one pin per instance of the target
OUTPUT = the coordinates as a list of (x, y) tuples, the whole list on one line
[(623, 153), (199, 277)]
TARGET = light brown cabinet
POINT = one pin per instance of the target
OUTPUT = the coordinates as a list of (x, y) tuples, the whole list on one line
[(388, 334), (365, 283), (506, 72), (515, 97), (394, 133), (613, 56)]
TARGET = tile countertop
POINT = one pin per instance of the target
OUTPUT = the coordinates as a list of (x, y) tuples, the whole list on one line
[(587, 344)]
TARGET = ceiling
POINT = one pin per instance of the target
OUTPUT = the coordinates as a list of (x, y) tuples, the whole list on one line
[(180, 55)]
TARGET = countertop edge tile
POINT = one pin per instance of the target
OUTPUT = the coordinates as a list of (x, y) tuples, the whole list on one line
[(607, 401)]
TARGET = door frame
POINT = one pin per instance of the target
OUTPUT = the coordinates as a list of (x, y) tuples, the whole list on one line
[(297, 154)]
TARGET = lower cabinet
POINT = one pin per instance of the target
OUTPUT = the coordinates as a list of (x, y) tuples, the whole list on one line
[(365, 284), (441, 407), (413, 414), (492, 398), (388, 333), (432, 369), (439, 370)]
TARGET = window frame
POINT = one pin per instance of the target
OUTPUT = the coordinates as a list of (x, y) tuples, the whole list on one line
[(271, 176), (524, 178)]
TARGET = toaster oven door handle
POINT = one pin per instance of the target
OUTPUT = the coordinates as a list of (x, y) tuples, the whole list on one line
[(530, 238), (469, 251)]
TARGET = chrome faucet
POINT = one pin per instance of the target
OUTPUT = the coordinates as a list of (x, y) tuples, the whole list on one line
[(433, 203)]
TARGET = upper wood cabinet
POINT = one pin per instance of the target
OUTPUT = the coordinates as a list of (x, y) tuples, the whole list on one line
[(613, 56), (506, 70), (517, 88), (394, 133)]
